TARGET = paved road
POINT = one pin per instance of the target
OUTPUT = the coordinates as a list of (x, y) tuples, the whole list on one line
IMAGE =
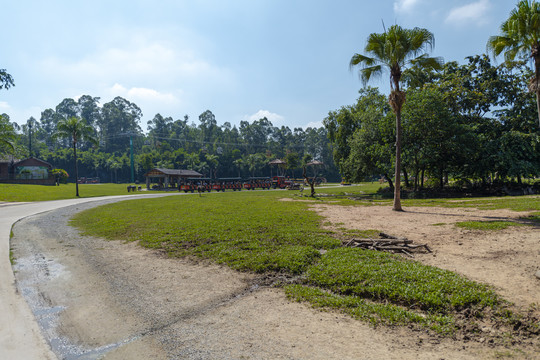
[(20, 336)]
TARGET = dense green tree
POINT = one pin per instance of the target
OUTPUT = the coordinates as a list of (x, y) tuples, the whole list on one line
[(293, 162), (68, 108), (7, 135), (75, 129), (394, 51), (430, 134), (89, 109), (48, 120), (520, 37), (372, 143), (120, 122), (6, 80)]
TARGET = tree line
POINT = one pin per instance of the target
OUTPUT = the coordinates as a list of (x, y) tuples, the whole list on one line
[(473, 123), (204, 145)]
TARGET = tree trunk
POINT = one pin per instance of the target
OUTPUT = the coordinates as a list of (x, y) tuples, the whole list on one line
[(422, 179), (416, 173), (406, 177), (397, 177), (310, 182), (76, 169), (538, 105), (536, 57), (390, 183)]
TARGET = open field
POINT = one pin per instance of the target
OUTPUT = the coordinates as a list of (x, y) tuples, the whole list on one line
[(259, 232), (477, 291), (24, 193)]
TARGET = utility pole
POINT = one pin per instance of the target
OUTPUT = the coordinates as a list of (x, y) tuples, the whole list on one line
[(131, 134), (30, 136), (132, 162)]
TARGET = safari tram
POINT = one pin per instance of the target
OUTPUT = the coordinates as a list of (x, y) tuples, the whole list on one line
[(234, 184)]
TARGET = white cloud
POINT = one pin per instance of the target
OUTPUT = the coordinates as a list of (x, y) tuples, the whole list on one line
[(144, 94), (4, 106), (475, 12), (272, 117), (146, 62), (314, 124), (405, 6)]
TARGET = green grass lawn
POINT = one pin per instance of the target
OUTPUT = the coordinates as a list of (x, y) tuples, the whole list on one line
[(24, 193), (258, 232), (487, 225), (366, 194)]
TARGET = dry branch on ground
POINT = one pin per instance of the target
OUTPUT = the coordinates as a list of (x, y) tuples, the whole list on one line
[(388, 243)]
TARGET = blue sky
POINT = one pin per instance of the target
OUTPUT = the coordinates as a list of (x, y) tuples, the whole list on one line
[(283, 59)]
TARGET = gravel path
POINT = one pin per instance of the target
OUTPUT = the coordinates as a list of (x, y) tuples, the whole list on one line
[(100, 299)]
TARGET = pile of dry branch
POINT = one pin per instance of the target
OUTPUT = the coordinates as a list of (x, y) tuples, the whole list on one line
[(388, 243)]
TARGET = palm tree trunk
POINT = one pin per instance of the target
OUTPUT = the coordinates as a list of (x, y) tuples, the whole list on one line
[(538, 105), (76, 169), (536, 58), (397, 177)]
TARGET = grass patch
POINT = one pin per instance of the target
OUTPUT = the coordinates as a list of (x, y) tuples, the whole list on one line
[(367, 194), (533, 218), (487, 225), (373, 313), (247, 231), (385, 277), (24, 193), (255, 231), (362, 234)]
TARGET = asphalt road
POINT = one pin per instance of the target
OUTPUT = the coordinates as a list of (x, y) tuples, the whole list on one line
[(20, 336)]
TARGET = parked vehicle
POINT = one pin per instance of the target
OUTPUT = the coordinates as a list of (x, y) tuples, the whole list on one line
[(258, 183)]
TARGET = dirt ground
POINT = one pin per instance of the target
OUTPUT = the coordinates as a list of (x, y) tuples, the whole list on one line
[(507, 259), (108, 299)]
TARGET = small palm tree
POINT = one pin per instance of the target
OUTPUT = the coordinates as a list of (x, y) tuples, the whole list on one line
[(213, 162), (520, 37), (395, 50), (76, 130), (239, 163)]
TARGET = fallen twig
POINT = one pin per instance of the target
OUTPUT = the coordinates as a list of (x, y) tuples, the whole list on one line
[(388, 243)]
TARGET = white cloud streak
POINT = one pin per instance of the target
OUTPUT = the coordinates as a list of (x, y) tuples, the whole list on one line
[(145, 94), (272, 117), (4, 106), (475, 12), (405, 6)]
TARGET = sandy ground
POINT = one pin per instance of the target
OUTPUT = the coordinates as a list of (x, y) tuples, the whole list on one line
[(507, 259), (108, 299)]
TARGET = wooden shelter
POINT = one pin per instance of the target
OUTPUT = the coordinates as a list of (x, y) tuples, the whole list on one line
[(280, 164), (28, 171), (169, 177)]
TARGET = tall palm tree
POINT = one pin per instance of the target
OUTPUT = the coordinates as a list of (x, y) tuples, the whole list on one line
[(520, 37), (394, 51), (76, 130)]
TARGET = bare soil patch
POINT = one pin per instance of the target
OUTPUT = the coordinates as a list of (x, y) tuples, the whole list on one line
[(507, 259)]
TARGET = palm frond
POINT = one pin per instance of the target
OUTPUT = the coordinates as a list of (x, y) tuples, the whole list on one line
[(359, 59), (394, 50), (519, 34), (428, 63), (368, 73)]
